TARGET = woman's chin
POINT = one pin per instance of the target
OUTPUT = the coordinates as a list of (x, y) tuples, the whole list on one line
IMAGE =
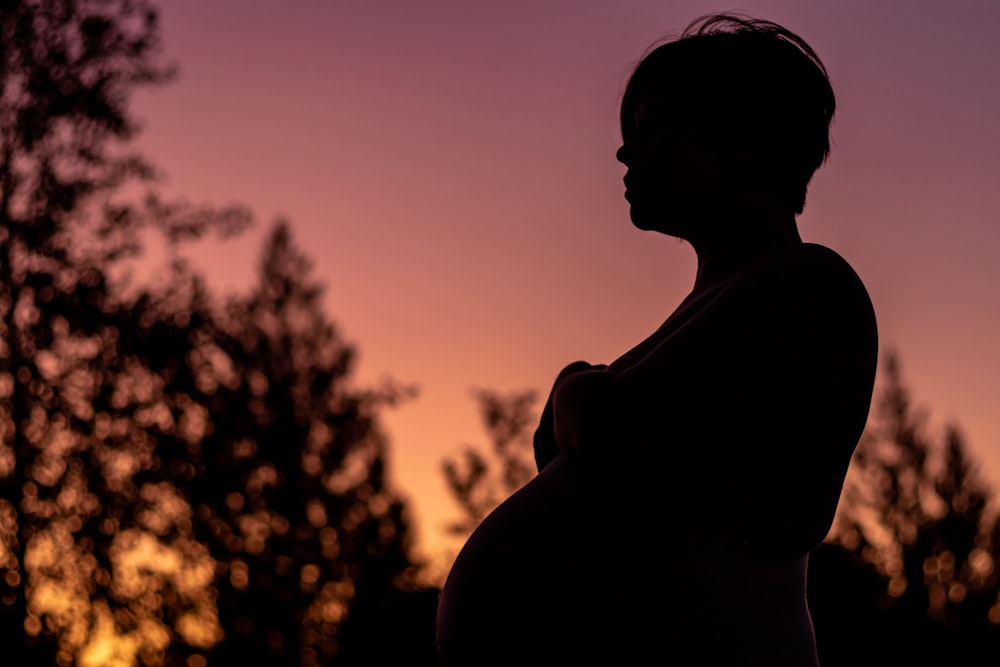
[(642, 219), (658, 224), (639, 219)]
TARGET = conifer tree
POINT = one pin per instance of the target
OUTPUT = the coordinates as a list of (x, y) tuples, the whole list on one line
[(179, 477), (916, 526), (479, 482)]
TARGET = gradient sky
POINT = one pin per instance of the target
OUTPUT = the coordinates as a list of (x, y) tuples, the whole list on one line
[(449, 167)]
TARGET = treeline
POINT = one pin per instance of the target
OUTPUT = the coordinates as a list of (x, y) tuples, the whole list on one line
[(184, 479)]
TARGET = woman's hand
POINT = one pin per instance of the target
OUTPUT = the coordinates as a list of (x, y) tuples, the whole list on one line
[(545, 445)]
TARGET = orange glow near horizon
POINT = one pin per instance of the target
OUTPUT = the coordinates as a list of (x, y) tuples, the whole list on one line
[(450, 171)]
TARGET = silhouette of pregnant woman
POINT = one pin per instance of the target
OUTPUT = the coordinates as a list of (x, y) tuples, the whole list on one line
[(682, 486)]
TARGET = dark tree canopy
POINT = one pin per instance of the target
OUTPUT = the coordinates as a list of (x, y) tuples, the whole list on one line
[(479, 482), (289, 482), (910, 571), (182, 477)]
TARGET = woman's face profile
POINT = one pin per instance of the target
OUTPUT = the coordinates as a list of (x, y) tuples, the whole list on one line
[(673, 180)]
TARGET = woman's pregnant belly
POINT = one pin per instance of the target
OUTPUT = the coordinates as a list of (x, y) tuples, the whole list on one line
[(521, 577), (561, 572)]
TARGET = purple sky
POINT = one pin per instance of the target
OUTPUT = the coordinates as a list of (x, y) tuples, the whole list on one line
[(449, 167)]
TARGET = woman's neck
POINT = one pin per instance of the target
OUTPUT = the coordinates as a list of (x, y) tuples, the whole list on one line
[(734, 246)]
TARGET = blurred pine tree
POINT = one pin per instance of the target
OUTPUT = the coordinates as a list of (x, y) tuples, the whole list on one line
[(179, 478), (909, 574), (479, 482)]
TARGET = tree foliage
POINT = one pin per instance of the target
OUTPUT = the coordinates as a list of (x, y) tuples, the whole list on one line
[(289, 481), (181, 476), (918, 535), (478, 482)]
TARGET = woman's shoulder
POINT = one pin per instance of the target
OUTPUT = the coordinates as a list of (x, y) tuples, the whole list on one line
[(808, 292), (813, 274), (823, 260), (809, 259)]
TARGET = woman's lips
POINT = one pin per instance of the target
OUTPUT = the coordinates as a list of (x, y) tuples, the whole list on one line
[(631, 184), (631, 190)]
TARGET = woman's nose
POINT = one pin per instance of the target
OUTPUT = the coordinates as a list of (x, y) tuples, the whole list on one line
[(623, 154)]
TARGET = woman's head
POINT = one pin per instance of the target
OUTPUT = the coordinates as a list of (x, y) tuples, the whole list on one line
[(744, 87)]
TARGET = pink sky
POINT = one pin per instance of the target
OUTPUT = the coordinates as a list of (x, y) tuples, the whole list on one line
[(449, 167)]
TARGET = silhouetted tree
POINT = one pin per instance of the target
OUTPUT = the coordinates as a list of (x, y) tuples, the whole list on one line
[(172, 471), (479, 482), (916, 528), (288, 487), (74, 559)]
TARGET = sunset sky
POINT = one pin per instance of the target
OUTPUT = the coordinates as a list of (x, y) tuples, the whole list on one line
[(449, 167)]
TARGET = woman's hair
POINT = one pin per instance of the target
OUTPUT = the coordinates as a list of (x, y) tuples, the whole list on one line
[(742, 84)]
